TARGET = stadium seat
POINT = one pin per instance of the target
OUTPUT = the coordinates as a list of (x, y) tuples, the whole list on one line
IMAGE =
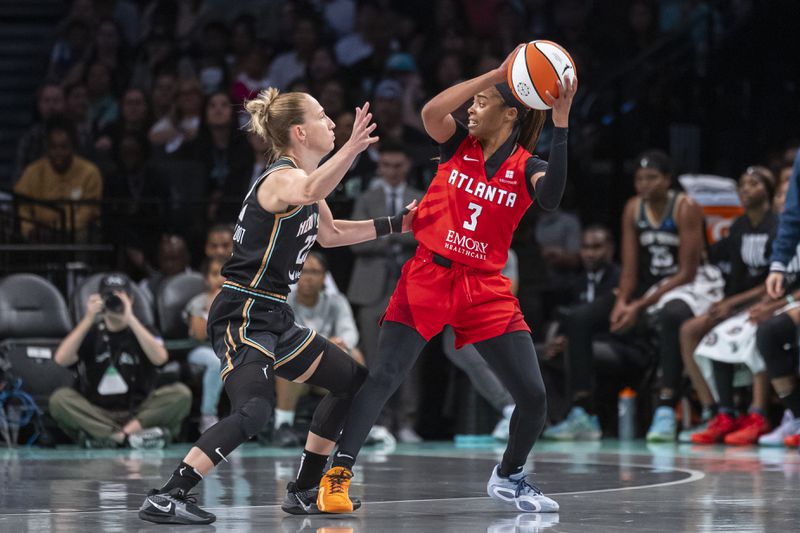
[(90, 285), (173, 295), (30, 306), (33, 321)]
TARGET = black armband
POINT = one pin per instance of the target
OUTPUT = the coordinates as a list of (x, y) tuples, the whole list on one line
[(386, 225), (382, 226)]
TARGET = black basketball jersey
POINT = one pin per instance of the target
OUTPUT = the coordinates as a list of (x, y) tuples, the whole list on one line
[(658, 246), (269, 249), (750, 248)]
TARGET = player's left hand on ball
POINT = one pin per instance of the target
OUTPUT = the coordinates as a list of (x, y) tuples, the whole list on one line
[(408, 219), (562, 104)]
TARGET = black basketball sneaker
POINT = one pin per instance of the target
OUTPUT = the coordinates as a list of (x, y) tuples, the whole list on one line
[(304, 502), (173, 507)]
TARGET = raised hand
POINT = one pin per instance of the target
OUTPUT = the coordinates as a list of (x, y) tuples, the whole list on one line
[(562, 104), (360, 138)]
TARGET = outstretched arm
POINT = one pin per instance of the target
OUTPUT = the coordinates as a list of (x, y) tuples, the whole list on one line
[(334, 233), (295, 187)]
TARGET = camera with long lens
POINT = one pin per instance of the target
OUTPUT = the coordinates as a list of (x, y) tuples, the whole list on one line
[(113, 303)]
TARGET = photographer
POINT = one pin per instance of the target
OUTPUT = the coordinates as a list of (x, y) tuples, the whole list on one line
[(117, 356)]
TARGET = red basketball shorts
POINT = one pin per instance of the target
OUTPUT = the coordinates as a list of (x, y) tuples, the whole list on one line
[(477, 304)]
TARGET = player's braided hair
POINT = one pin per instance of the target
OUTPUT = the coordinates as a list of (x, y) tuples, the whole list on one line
[(272, 114)]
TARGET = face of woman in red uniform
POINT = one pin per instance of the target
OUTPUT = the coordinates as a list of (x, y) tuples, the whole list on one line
[(488, 115)]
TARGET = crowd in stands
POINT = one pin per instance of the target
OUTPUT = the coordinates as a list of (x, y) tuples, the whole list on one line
[(139, 143)]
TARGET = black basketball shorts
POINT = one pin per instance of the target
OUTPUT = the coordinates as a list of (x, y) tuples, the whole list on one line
[(246, 328)]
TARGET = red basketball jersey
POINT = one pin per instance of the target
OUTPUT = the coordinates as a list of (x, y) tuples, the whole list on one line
[(469, 218)]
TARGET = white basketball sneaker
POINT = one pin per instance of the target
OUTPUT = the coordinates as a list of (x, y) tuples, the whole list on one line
[(518, 491)]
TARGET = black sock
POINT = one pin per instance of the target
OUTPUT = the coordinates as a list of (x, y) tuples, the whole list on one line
[(792, 401), (667, 401), (586, 403), (507, 470), (184, 477), (347, 460), (312, 466)]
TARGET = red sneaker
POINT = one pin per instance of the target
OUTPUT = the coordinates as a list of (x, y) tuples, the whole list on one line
[(720, 425), (792, 441), (751, 426)]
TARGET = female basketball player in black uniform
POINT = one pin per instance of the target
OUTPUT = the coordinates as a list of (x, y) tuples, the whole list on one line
[(251, 326)]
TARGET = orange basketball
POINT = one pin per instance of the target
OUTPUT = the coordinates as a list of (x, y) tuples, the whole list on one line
[(534, 70)]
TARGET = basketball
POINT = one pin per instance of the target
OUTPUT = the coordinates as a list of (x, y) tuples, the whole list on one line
[(535, 69)]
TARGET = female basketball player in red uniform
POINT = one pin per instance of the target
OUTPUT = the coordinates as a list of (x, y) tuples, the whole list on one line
[(251, 326), (486, 180)]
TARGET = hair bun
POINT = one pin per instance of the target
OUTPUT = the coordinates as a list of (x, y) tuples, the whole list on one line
[(258, 108)]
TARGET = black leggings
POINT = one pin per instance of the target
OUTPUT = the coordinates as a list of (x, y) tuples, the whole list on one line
[(251, 389), (511, 356), (776, 339), (670, 317)]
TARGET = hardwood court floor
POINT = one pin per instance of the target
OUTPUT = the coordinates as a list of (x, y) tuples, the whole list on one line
[(433, 487)]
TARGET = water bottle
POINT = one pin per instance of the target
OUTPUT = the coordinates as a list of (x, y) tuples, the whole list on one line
[(626, 411)]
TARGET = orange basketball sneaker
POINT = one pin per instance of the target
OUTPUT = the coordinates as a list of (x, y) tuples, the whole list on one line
[(333, 496)]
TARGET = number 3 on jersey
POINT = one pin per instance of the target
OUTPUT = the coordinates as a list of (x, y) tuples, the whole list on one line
[(472, 223)]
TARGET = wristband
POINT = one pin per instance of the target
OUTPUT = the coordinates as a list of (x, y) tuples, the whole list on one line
[(382, 226), (789, 299)]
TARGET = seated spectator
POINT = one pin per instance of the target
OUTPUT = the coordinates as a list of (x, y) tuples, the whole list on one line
[(226, 155), (71, 48), (749, 243), (182, 124), (291, 65), (776, 338), (103, 105), (469, 360), (219, 242), (31, 146), (196, 313), (597, 281), (662, 245), (134, 119), (377, 269), (251, 79), (163, 94), (60, 176), (116, 403), (392, 128), (172, 258), (364, 167), (329, 314), (78, 112)]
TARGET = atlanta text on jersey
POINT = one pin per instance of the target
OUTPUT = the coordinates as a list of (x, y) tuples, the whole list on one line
[(482, 190)]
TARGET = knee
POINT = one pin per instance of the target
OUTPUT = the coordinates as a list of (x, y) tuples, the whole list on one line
[(533, 397), (203, 356), (58, 400), (253, 415), (672, 316)]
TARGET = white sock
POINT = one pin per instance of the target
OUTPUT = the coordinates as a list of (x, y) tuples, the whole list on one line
[(508, 410), (283, 417)]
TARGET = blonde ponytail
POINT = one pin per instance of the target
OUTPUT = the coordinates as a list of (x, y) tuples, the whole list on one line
[(272, 113)]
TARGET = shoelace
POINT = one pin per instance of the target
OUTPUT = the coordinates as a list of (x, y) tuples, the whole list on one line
[(524, 483), (190, 497), (337, 481)]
